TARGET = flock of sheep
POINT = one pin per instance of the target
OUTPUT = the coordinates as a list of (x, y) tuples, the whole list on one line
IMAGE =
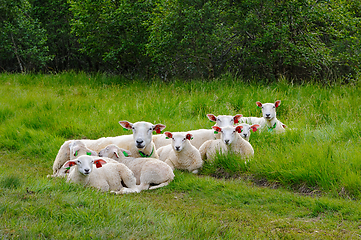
[(142, 161)]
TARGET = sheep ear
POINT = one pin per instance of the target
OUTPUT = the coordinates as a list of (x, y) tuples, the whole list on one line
[(259, 104), (116, 154), (284, 126), (126, 124), (75, 151), (277, 103), (189, 136), (99, 163), (236, 118), (212, 117), (239, 129), (158, 128), (217, 129), (255, 127), (168, 134), (69, 164)]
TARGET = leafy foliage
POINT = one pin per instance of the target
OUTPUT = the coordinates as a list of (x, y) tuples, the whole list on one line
[(300, 39)]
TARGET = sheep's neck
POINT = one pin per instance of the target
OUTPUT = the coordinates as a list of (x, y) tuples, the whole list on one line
[(144, 155), (271, 123)]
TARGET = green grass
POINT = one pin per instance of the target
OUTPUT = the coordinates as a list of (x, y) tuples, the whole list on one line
[(303, 184)]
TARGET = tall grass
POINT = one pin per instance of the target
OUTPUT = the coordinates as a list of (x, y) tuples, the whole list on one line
[(319, 154)]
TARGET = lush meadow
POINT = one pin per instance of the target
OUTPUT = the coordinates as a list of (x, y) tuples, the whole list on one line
[(305, 183)]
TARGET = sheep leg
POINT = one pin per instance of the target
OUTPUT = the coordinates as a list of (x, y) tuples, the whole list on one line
[(159, 185)]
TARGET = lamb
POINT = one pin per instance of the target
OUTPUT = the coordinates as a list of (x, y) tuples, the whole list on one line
[(69, 151), (147, 171), (231, 141), (142, 144), (199, 137), (269, 115), (106, 177), (181, 154), (246, 130)]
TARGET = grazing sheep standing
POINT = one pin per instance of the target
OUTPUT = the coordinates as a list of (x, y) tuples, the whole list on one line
[(105, 177), (147, 171), (142, 145), (231, 141), (181, 154)]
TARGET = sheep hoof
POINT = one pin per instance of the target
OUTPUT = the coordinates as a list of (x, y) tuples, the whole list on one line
[(195, 171)]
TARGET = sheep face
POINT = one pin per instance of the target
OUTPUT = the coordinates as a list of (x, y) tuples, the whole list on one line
[(179, 140), (224, 120), (78, 148), (247, 129), (85, 164), (269, 109), (228, 133), (142, 132), (114, 152)]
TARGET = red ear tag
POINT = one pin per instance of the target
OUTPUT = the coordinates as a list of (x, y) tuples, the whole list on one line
[(98, 164), (158, 131), (236, 120), (254, 129)]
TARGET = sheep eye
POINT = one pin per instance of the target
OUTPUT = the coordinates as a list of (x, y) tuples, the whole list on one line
[(218, 119), (274, 107)]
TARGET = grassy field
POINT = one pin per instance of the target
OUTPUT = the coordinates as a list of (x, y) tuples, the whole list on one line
[(304, 184)]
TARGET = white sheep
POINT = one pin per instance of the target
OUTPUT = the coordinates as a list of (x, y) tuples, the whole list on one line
[(68, 151), (123, 141), (181, 154), (269, 115), (199, 137), (246, 130), (105, 177), (147, 171), (231, 141), (224, 121), (142, 144)]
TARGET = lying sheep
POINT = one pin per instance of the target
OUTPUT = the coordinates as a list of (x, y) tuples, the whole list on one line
[(105, 177), (124, 141), (147, 171), (224, 120), (246, 130), (64, 152), (181, 154), (69, 151), (199, 137), (269, 115), (142, 144), (231, 141)]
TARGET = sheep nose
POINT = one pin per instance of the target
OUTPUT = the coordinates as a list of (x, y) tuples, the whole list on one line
[(268, 114), (87, 170), (139, 141), (245, 135), (226, 141), (177, 148)]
